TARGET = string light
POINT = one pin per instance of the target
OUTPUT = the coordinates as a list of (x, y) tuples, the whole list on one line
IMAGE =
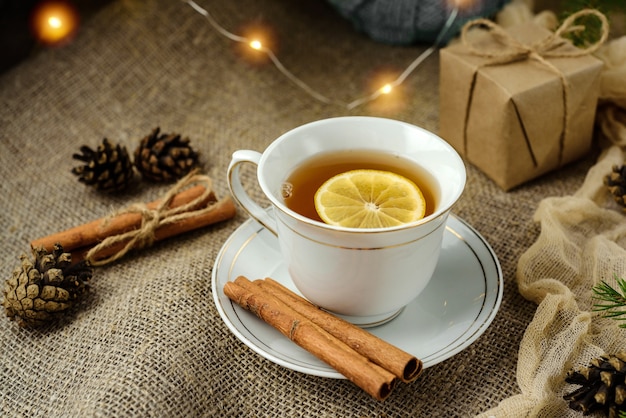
[(54, 22), (385, 89)]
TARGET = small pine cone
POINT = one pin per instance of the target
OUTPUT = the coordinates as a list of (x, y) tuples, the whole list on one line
[(42, 290), (108, 168), (603, 386), (165, 157), (616, 183)]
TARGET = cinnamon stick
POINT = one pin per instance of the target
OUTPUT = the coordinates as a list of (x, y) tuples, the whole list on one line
[(224, 209), (80, 239), (370, 377), (402, 364), (93, 232)]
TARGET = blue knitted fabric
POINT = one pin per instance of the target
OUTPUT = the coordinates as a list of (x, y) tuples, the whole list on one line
[(405, 22)]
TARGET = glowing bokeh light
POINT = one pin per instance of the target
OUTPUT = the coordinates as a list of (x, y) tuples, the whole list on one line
[(54, 22), (256, 45), (464, 4), (386, 89)]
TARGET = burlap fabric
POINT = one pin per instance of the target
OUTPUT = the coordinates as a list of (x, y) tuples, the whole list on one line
[(148, 341)]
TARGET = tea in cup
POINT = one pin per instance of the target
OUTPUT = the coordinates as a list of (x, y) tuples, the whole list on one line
[(365, 275)]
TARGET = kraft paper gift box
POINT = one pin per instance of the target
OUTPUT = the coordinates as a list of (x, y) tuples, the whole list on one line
[(508, 118)]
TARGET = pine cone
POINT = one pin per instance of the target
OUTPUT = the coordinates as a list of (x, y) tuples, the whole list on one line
[(603, 386), (164, 157), (40, 291), (616, 183), (108, 168)]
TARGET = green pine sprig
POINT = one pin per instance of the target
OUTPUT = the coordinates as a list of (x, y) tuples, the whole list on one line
[(613, 301), (602, 5), (591, 23)]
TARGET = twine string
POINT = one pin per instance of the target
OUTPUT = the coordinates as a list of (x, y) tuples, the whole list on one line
[(152, 219), (539, 51), (544, 48)]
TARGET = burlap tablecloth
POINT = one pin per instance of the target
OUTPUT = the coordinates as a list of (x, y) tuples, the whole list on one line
[(149, 341)]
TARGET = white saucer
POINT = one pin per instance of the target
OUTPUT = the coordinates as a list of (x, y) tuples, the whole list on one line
[(456, 307)]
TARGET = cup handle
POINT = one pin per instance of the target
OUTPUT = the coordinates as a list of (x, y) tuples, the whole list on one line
[(241, 196)]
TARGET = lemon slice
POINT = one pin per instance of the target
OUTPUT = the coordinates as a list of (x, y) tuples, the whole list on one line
[(369, 199)]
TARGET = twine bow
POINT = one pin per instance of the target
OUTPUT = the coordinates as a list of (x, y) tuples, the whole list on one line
[(152, 219), (538, 51)]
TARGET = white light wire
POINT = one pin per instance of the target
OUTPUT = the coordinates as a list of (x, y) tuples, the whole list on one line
[(320, 97), (416, 62)]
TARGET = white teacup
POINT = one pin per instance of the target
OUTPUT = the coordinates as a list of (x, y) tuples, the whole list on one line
[(364, 275)]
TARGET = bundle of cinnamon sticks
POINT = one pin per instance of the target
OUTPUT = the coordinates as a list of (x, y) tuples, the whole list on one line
[(81, 239), (368, 361)]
